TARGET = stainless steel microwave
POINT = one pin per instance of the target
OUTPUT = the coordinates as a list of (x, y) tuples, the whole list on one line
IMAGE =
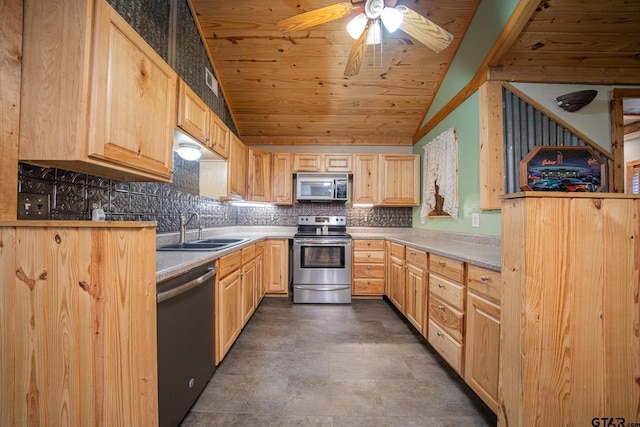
[(320, 187)]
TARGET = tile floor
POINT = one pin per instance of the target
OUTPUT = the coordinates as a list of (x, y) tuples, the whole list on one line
[(334, 365)]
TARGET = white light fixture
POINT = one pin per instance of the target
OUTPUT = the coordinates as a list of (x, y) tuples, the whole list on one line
[(391, 18), (374, 36), (362, 205), (189, 151), (246, 204), (355, 27)]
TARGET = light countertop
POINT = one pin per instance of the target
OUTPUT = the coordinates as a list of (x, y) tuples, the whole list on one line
[(483, 251)]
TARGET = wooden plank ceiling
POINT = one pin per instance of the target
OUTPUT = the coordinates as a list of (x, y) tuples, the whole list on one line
[(291, 89)]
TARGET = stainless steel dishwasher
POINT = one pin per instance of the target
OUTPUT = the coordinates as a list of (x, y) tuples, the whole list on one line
[(185, 341)]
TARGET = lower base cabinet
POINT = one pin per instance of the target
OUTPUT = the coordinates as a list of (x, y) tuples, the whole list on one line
[(228, 303), (276, 267)]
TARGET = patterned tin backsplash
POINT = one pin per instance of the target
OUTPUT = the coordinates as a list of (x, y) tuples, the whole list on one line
[(73, 195)]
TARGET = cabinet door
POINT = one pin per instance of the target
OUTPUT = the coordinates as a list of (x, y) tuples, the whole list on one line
[(219, 133), (338, 163), (193, 114), (277, 266), (365, 178), (229, 320), (133, 103), (396, 282), (249, 282), (282, 172), (483, 348), (259, 185), (399, 180), (414, 299), (237, 168), (307, 162)]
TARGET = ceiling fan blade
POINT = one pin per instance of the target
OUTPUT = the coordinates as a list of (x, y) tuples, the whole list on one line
[(315, 17), (423, 30), (358, 49)]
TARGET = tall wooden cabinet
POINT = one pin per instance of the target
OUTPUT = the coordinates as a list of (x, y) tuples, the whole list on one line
[(237, 168), (78, 323), (102, 99), (570, 341), (259, 177)]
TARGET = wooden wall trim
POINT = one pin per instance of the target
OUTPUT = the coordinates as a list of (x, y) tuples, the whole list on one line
[(511, 30), (328, 140), (10, 78), (491, 146), (564, 75)]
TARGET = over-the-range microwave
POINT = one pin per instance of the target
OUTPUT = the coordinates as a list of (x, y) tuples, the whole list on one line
[(319, 187)]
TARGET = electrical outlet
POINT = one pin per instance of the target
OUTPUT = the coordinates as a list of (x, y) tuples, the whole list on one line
[(33, 206), (475, 220)]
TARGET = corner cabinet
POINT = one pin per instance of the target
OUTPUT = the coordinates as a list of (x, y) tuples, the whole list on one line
[(78, 324), (101, 102), (570, 345)]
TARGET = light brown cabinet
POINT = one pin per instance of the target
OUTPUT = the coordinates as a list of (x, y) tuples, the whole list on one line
[(202, 124), (446, 309), (569, 346), (368, 267), (395, 275), (282, 172), (261, 286), (249, 279), (338, 163), (399, 180), (277, 266), (228, 303), (237, 168), (303, 162), (103, 100), (365, 178), (259, 176), (416, 295), (78, 323), (482, 336)]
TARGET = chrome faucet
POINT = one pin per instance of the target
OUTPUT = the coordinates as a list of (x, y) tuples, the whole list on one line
[(183, 225)]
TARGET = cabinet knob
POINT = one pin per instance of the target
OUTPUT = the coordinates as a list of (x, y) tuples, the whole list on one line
[(439, 333), (440, 285), (441, 307), (368, 243), (369, 256), (412, 253), (441, 263), (368, 267), (484, 278)]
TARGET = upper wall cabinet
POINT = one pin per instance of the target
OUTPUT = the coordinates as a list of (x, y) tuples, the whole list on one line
[(259, 176), (399, 180), (196, 119), (308, 162), (237, 168), (96, 98)]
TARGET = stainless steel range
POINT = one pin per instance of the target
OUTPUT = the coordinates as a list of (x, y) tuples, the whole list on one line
[(322, 260)]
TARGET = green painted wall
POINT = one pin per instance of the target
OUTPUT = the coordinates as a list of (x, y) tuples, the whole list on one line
[(485, 27), (465, 120)]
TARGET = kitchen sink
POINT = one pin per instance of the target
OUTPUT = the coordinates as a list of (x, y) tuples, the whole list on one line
[(210, 244)]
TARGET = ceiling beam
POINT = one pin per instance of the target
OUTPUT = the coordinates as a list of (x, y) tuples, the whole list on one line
[(632, 127), (565, 75)]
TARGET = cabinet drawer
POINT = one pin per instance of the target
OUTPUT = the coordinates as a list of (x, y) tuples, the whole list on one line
[(450, 292), (248, 253), (487, 283), (416, 257), (447, 267), (449, 349), (368, 286), (447, 317), (368, 271), (229, 263), (368, 244), (375, 257), (396, 250)]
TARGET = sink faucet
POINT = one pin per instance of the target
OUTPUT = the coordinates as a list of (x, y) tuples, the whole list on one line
[(183, 225)]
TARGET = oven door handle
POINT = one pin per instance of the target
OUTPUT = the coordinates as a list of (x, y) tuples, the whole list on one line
[(321, 289), (321, 241)]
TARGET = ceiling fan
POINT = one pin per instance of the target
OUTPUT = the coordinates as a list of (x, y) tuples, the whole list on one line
[(366, 29)]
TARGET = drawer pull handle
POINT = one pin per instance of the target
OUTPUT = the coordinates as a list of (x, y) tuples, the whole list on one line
[(442, 263), (440, 285), (413, 253), (484, 278), (441, 307)]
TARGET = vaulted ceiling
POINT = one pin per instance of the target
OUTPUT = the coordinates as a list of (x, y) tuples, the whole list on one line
[(290, 89)]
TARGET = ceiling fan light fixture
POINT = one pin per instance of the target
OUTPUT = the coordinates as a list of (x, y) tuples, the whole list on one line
[(391, 18), (374, 36), (189, 151), (355, 27)]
